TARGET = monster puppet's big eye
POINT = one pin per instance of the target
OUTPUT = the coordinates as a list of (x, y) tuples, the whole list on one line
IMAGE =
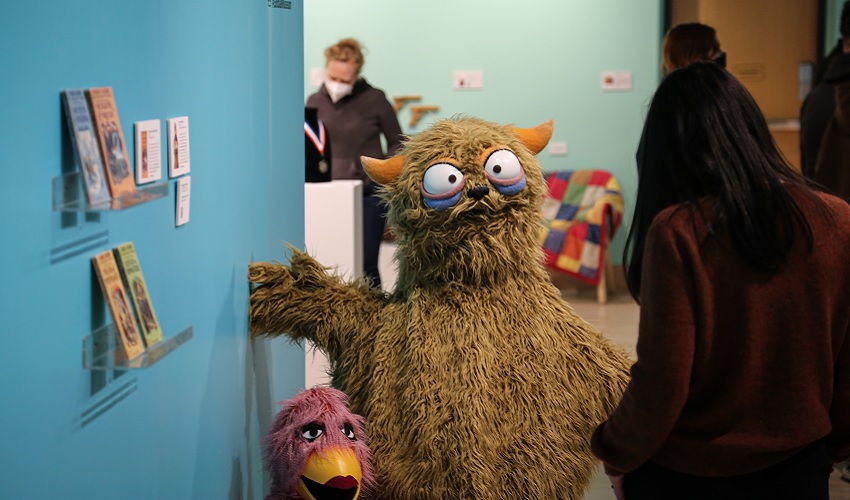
[(442, 186), (312, 431), (505, 171), (442, 179)]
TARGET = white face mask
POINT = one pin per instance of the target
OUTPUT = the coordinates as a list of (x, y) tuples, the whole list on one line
[(338, 90)]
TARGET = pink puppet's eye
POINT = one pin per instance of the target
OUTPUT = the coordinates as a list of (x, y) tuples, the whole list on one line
[(312, 431), (348, 430)]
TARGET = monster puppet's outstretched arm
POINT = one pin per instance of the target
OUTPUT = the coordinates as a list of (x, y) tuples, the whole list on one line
[(302, 300)]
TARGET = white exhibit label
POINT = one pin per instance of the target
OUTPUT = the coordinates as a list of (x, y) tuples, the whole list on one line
[(468, 80), (178, 146), (148, 151), (617, 80), (184, 189)]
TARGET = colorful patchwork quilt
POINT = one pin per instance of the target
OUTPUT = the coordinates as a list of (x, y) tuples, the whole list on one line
[(582, 212)]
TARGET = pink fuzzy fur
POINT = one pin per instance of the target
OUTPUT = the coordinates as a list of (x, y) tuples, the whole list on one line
[(287, 451)]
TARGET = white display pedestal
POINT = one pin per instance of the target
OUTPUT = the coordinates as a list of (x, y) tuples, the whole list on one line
[(388, 266), (333, 234)]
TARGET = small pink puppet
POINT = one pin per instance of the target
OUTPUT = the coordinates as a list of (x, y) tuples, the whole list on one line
[(317, 449)]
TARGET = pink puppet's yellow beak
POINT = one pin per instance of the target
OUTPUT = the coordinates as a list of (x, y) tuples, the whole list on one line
[(535, 139), (334, 474)]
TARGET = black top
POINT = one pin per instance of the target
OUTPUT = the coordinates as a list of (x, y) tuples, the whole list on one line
[(317, 148), (817, 110)]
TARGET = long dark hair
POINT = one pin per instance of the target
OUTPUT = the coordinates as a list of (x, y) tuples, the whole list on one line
[(706, 138)]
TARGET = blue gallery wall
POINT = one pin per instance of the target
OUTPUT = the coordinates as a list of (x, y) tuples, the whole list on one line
[(191, 425), (540, 60)]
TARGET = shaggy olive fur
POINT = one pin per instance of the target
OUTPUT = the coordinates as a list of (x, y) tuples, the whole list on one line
[(476, 379)]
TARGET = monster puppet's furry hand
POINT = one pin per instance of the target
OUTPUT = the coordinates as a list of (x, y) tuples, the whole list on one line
[(477, 379), (305, 301)]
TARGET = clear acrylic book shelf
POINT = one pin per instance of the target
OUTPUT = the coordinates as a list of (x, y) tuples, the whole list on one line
[(102, 351), (69, 195)]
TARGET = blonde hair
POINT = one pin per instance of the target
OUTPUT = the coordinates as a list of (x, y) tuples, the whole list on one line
[(345, 50), (687, 43)]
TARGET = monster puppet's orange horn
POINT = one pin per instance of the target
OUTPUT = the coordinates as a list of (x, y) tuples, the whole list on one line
[(535, 139), (383, 171)]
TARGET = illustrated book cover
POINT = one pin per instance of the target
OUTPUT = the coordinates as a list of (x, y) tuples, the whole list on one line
[(148, 151), (111, 140), (112, 285), (178, 146), (84, 141), (134, 283)]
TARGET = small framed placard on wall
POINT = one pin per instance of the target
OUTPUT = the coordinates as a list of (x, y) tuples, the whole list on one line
[(148, 151), (178, 146), (184, 190)]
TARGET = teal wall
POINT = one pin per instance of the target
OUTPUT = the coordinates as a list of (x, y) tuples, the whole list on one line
[(541, 59), (191, 425)]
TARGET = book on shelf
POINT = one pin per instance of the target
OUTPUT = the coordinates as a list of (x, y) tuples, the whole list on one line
[(86, 149), (111, 139), (134, 283), (112, 286)]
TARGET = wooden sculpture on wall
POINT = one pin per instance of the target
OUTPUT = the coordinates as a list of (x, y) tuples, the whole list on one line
[(416, 113), (400, 100)]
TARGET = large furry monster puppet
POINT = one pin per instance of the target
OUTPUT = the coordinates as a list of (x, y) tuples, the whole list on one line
[(476, 379)]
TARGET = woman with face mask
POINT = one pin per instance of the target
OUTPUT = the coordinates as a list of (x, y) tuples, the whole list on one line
[(355, 114)]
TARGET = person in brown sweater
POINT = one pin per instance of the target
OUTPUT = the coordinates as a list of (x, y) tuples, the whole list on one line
[(741, 387)]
